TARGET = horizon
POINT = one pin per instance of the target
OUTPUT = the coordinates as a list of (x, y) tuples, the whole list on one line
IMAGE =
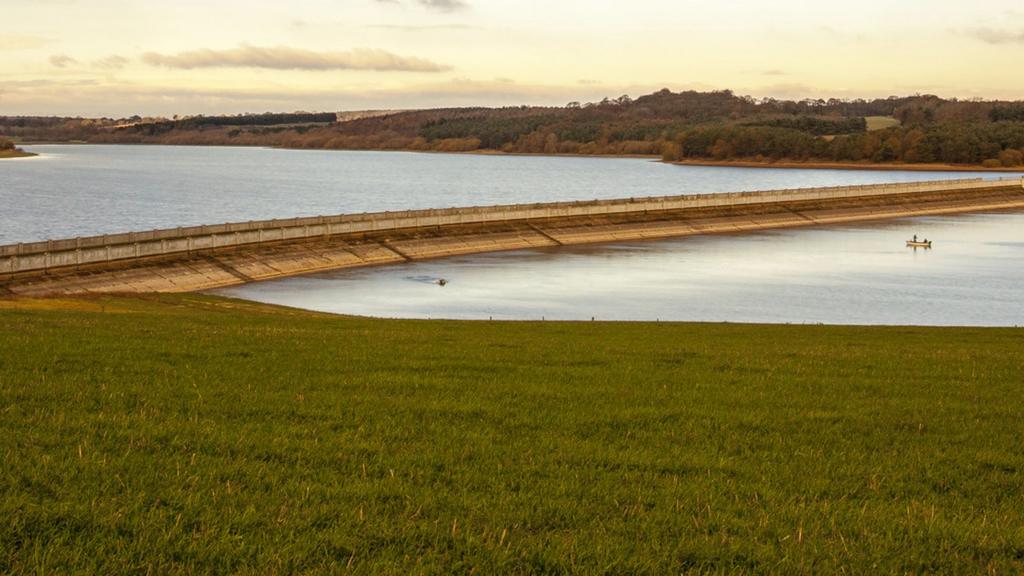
[(503, 106), (120, 58)]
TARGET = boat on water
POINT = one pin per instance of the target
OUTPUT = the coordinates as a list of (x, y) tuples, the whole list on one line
[(915, 243)]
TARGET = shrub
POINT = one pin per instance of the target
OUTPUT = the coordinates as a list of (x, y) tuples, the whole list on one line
[(1011, 157), (457, 144)]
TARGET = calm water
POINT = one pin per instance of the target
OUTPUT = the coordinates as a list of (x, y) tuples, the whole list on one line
[(856, 274), (84, 190)]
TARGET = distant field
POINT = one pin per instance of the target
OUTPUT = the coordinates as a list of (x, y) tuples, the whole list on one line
[(192, 434), (881, 122)]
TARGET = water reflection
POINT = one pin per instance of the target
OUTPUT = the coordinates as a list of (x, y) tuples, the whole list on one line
[(855, 274)]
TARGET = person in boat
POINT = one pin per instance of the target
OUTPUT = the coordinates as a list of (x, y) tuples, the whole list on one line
[(915, 237)]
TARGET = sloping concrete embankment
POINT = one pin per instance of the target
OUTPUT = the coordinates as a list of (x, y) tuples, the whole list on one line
[(200, 258)]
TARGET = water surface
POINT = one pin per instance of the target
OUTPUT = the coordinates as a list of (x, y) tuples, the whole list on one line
[(852, 274), (83, 190)]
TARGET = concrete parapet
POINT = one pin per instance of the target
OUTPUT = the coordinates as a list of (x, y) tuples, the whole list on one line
[(202, 257), (55, 254)]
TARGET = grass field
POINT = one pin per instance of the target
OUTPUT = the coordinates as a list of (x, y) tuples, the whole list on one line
[(192, 434), (881, 122)]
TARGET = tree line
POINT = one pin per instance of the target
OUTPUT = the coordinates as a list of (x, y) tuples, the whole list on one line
[(991, 145), (816, 125), (689, 125), (267, 119)]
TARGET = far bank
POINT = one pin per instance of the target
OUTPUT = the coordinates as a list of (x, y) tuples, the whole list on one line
[(782, 164), (9, 150), (815, 165), (16, 154)]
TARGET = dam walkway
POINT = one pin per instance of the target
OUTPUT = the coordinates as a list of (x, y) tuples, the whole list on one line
[(204, 257)]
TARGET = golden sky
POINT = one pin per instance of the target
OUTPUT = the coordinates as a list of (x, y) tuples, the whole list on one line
[(124, 57)]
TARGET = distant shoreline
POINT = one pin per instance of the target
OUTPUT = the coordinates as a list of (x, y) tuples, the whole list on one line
[(780, 164), (489, 152), (19, 153), (816, 165)]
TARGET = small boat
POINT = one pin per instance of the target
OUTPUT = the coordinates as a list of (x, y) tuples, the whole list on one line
[(919, 243), (441, 282)]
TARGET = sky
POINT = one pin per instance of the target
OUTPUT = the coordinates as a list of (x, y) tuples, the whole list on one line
[(120, 58)]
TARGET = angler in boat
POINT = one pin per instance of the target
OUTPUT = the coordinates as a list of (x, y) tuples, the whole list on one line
[(919, 243)]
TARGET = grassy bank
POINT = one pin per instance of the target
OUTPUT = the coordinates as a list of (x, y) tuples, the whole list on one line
[(196, 434), (16, 153)]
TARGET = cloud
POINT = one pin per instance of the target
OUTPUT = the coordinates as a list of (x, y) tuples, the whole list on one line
[(286, 58), (17, 42), (774, 72), (421, 28), (996, 36), (112, 62), (438, 5), (62, 60), (444, 5)]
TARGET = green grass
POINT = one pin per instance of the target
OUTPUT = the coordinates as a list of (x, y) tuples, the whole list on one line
[(17, 153), (192, 434), (880, 122)]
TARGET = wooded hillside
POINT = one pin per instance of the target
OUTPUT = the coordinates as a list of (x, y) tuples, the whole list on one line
[(689, 125)]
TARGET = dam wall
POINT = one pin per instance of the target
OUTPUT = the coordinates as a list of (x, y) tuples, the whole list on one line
[(50, 254), (202, 257)]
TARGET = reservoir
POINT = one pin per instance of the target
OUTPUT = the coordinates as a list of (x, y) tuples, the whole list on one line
[(84, 190), (848, 274)]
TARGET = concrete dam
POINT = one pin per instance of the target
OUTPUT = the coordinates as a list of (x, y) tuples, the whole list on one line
[(204, 257)]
